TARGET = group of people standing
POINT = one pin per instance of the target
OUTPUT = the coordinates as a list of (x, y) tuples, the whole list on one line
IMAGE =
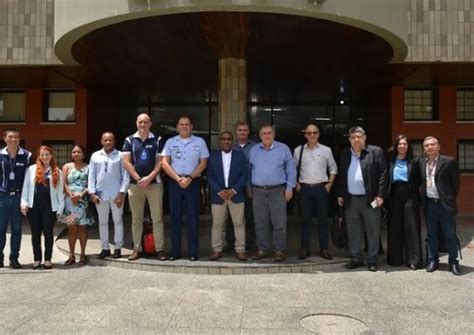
[(249, 182)]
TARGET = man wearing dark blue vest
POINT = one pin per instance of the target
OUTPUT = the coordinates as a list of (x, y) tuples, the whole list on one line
[(14, 161)]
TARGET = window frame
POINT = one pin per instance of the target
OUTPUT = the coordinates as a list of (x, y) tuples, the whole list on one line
[(459, 142), (46, 99), (458, 89), (434, 104)]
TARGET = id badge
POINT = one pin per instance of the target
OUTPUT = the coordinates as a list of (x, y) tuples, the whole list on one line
[(144, 155), (12, 175)]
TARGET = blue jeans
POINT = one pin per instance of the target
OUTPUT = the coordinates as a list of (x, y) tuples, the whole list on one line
[(190, 196), (314, 201), (10, 213), (437, 218)]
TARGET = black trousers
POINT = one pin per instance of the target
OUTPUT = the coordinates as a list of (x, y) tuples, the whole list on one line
[(404, 236), (42, 220)]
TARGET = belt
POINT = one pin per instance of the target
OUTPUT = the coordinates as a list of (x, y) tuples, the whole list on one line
[(269, 187), (314, 185), (357, 195), (435, 200), (12, 193)]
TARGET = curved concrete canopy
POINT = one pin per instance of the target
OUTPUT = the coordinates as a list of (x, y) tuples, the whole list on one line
[(384, 18)]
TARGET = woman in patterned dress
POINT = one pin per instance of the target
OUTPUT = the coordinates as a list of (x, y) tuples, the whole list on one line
[(77, 200)]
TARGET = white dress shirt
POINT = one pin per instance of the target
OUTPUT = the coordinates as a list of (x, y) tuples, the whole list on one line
[(226, 159)]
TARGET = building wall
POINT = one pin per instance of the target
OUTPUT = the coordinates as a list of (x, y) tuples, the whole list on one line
[(447, 130), (35, 131)]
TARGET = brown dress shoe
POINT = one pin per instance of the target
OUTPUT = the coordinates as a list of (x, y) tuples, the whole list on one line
[(134, 256), (303, 254), (259, 255), (241, 256), (324, 253), (215, 255), (280, 256), (162, 256)]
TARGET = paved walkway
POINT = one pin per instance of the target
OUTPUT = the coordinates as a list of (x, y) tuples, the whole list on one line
[(106, 300)]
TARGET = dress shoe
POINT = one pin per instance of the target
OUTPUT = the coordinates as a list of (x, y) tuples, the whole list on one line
[(215, 255), (373, 267), (36, 265), (104, 253), (117, 253), (48, 265), (432, 266), (280, 256), (1, 264), (259, 255), (134, 256), (174, 258), (193, 258), (240, 255), (162, 256), (83, 260), (303, 254), (354, 264), (413, 267), (14, 264), (454, 268), (324, 253), (70, 261)]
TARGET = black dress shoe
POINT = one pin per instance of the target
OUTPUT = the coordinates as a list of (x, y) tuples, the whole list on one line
[(303, 254), (354, 264), (174, 258), (324, 253), (454, 268), (432, 266), (14, 264), (104, 253), (373, 267), (117, 253), (193, 258)]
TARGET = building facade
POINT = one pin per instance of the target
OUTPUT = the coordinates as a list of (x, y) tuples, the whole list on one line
[(70, 70)]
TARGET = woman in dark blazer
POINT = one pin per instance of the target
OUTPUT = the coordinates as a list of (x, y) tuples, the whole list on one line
[(404, 236)]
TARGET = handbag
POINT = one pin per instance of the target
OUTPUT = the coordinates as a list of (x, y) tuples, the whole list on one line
[(339, 230)]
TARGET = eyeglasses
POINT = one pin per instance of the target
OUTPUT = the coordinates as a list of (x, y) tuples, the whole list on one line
[(226, 139), (312, 132)]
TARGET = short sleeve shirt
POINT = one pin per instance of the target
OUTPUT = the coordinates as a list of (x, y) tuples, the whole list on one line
[(185, 153), (144, 153)]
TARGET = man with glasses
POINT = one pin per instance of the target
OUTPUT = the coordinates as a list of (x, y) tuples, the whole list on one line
[(227, 177), (313, 185), (361, 190), (14, 161), (108, 183), (273, 177)]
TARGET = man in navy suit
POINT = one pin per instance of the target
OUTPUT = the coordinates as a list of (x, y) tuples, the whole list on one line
[(227, 177)]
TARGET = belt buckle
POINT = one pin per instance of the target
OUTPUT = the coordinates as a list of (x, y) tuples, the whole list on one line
[(12, 193)]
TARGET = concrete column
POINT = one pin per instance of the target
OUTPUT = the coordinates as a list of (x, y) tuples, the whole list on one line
[(232, 92)]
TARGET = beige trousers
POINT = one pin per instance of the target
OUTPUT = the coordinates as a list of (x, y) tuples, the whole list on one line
[(218, 223), (137, 198)]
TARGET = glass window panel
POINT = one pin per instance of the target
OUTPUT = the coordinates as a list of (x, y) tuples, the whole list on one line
[(12, 106), (61, 106), (61, 150)]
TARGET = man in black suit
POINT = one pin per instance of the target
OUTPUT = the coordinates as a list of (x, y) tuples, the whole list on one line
[(361, 189), (440, 186)]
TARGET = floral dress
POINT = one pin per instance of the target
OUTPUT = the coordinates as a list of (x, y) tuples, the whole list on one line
[(77, 182)]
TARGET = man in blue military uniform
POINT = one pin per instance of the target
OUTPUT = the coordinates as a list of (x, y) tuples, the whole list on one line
[(184, 159), (14, 161)]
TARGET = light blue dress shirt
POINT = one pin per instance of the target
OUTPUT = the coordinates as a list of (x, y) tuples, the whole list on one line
[(272, 167), (355, 179), (107, 176), (400, 170), (185, 153)]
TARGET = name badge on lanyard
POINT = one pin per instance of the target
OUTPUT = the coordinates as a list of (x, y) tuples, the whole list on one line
[(12, 175)]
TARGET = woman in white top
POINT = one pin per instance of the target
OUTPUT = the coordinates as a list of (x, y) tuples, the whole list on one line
[(42, 200)]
